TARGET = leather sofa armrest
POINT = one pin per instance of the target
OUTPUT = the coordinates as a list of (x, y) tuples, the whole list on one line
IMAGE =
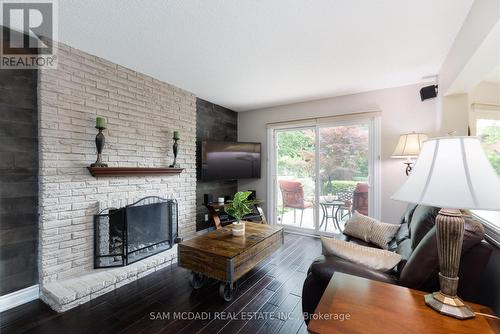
[(324, 267), (312, 290)]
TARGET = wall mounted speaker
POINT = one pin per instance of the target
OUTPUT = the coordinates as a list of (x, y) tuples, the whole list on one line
[(428, 92)]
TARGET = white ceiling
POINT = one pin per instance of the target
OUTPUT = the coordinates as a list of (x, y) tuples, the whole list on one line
[(247, 54)]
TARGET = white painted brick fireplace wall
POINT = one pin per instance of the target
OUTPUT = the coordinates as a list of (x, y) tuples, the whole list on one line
[(142, 114)]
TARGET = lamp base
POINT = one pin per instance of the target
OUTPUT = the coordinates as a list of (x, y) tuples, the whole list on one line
[(98, 162), (448, 305), (98, 165), (449, 234)]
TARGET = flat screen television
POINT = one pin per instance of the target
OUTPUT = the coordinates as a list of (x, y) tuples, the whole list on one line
[(229, 160)]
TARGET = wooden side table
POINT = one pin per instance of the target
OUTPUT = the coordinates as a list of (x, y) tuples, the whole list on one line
[(353, 304)]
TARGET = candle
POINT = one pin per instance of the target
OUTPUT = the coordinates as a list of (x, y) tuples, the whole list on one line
[(176, 134), (100, 122)]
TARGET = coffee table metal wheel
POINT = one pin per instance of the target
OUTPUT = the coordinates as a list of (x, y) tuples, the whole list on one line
[(227, 291), (197, 280)]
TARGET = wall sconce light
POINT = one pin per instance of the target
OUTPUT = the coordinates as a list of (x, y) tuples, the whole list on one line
[(408, 148)]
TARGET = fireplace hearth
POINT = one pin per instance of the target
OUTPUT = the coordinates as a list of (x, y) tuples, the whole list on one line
[(126, 235)]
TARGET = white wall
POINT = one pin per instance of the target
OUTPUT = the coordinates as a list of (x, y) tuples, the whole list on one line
[(485, 92), (454, 109), (454, 115), (402, 112)]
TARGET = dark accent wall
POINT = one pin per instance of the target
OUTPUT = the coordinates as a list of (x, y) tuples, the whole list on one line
[(18, 180), (213, 122)]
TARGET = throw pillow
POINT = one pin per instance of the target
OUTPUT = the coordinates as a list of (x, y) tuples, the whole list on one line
[(383, 233), (359, 226), (370, 230), (370, 257)]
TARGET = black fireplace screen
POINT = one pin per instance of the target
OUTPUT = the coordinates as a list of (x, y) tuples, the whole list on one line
[(129, 234)]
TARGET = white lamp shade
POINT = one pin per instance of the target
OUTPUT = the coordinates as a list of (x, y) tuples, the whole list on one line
[(409, 145), (452, 172)]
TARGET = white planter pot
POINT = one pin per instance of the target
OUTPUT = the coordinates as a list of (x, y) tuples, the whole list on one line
[(238, 229)]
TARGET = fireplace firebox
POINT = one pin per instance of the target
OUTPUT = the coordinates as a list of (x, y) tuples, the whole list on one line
[(126, 235)]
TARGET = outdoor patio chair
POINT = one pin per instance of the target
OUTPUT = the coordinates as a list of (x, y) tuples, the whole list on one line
[(360, 199), (292, 193), (345, 209)]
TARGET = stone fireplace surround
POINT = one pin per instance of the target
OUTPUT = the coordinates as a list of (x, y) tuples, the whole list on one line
[(142, 114)]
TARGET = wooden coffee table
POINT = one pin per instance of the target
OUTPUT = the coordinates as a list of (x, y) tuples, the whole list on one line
[(226, 258), (376, 307)]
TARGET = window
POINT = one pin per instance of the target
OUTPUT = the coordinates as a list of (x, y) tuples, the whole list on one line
[(485, 123), (491, 222)]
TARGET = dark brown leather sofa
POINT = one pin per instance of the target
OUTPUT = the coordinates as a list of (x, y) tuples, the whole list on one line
[(416, 243)]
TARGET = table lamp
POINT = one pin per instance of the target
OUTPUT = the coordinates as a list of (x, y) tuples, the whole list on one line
[(451, 173), (408, 148)]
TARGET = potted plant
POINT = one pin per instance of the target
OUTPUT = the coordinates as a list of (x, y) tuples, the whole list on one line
[(238, 207)]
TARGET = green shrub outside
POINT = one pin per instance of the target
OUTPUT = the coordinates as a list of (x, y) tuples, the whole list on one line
[(333, 187)]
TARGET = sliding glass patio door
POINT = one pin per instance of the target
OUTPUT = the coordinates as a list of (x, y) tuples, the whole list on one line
[(343, 173), (295, 177), (321, 173)]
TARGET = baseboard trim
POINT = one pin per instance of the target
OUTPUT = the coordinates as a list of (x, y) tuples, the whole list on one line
[(19, 297)]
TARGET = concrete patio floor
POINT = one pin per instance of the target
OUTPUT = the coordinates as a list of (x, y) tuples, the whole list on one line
[(308, 220)]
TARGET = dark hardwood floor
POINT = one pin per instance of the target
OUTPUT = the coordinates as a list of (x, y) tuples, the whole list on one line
[(163, 302)]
